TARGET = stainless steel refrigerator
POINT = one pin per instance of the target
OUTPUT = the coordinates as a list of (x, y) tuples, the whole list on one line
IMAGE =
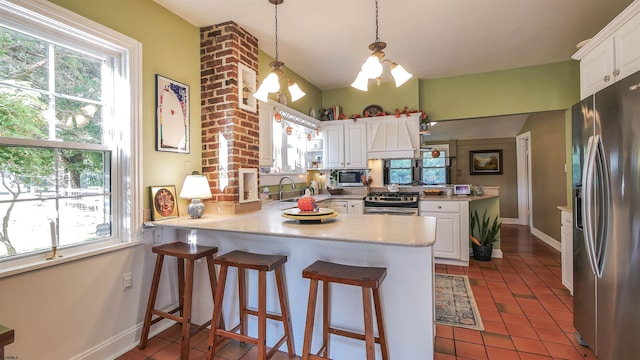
[(606, 230)]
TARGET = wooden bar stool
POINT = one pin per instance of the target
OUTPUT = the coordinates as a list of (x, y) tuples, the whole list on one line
[(263, 264), (182, 252), (369, 279)]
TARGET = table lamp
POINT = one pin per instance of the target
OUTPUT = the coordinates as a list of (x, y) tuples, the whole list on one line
[(195, 187)]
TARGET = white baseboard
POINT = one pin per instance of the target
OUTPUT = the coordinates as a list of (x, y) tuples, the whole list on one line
[(510, 221), (122, 343), (546, 238)]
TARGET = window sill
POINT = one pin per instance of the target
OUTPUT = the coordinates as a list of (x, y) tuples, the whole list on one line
[(78, 254)]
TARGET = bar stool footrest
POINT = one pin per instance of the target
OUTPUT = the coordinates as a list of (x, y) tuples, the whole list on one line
[(350, 334)]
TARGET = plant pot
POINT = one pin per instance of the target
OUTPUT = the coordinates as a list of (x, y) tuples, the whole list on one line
[(482, 252)]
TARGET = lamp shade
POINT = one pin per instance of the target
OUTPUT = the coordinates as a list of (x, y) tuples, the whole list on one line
[(261, 94), (400, 75), (295, 91), (271, 83), (361, 82), (195, 187), (372, 67)]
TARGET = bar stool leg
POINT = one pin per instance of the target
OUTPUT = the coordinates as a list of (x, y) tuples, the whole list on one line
[(181, 285), (311, 314), (384, 349), (326, 316), (368, 323), (242, 300), (214, 286), (285, 310), (262, 315), (217, 312), (186, 310), (152, 301)]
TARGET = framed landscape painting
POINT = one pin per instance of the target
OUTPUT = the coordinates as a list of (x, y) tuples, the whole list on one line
[(485, 162)]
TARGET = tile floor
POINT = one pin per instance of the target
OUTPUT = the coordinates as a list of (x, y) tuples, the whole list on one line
[(526, 311)]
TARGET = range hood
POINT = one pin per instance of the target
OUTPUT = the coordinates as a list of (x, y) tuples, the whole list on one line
[(389, 137)]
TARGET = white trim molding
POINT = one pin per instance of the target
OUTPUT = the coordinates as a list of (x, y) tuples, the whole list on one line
[(546, 238)]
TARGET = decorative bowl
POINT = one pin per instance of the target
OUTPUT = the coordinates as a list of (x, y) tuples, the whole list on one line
[(334, 191)]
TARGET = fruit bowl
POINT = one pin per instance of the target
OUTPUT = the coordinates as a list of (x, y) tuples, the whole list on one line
[(334, 191)]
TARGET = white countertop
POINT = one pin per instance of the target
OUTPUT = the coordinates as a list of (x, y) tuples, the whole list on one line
[(413, 231)]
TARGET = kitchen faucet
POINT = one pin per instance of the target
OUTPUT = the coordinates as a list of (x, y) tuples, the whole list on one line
[(293, 185)]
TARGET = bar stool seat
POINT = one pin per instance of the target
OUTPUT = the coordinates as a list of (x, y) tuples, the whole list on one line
[(262, 263), (369, 279), (188, 253)]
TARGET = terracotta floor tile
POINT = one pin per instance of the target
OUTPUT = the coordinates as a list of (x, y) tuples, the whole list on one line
[(470, 351), (444, 331), (132, 356), (496, 327), (529, 346), (566, 326), (169, 352), (515, 319), (153, 346), (523, 331), (562, 351), (467, 335), (501, 354), (498, 340), (440, 356), (553, 336), (540, 323), (445, 346), (490, 315), (529, 356), (509, 308), (537, 312)]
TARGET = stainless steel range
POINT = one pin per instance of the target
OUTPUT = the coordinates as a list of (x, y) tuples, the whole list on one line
[(392, 203)]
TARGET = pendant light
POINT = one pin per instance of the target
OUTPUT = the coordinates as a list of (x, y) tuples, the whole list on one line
[(372, 67), (271, 84)]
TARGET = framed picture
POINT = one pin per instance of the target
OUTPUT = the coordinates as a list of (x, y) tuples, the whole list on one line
[(172, 115), (485, 162), (164, 204), (246, 87)]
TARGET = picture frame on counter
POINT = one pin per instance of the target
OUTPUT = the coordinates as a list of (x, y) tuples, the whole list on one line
[(164, 202), (485, 162), (172, 115)]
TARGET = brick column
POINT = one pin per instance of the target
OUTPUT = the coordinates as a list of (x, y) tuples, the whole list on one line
[(222, 47)]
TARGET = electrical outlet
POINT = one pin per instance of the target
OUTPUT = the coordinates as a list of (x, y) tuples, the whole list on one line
[(127, 281)]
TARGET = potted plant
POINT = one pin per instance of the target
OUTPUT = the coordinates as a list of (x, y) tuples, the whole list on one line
[(483, 239)]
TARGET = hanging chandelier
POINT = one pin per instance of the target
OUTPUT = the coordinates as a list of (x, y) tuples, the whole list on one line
[(372, 67), (271, 84)]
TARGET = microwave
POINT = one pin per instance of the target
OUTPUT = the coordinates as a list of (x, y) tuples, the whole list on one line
[(347, 178)]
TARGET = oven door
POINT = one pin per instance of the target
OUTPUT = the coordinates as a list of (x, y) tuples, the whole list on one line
[(391, 211)]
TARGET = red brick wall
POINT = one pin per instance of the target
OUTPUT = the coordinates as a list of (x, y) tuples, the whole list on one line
[(222, 47)]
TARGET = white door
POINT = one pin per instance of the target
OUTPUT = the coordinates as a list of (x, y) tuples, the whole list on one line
[(525, 215)]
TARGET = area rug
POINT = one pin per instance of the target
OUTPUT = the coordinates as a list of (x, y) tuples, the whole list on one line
[(455, 305)]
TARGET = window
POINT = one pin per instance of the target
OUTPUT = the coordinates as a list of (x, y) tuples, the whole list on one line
[(66, 135), (291, 135), (431, 169)]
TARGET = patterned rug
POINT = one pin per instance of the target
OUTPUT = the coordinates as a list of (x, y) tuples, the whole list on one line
[(455, 305)]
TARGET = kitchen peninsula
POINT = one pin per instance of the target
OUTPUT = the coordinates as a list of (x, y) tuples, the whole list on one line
[(401, 244)]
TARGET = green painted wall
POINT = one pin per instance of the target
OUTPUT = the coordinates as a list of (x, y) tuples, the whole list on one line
[(313, 97), (170, 47), (531, 89), (354, 101)]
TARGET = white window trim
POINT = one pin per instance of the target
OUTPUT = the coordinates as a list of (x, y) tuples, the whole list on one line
[(128, 227)]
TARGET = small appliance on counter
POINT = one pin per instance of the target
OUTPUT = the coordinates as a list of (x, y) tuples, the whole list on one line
[(351, 178), (462, 189)]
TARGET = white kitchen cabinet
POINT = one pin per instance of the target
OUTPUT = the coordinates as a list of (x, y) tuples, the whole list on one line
[(389, 137), (346, 206), (452, 230), (266, 134), (612, 54), (345, 146), (566, 239)]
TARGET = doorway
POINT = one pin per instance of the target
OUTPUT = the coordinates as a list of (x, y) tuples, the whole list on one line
[(523, 155)]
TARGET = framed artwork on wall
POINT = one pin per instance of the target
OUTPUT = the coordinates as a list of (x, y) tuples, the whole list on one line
[(246, 87), (172, 115), (164, 202), (485, 162)]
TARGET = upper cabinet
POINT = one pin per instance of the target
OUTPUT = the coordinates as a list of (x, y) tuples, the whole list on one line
[(612, 54), (266, 134), (345, 145)]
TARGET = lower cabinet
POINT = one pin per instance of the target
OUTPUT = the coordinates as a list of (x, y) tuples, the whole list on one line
[(566, 239), (346, 206), (452, 230)]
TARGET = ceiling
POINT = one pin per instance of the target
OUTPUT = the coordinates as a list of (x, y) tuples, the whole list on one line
[(507, 126), (325, 41)]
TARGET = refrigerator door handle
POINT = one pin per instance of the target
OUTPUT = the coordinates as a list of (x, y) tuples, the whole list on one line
[(603, 190), (587, 196)]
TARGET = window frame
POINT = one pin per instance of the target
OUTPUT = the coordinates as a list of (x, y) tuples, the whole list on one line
[(417, 167), (70, 29)]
